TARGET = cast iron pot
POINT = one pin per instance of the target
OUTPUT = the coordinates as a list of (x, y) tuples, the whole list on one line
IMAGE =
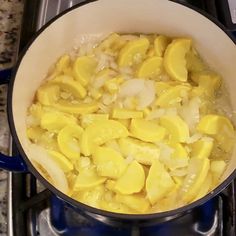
[(105, 16)]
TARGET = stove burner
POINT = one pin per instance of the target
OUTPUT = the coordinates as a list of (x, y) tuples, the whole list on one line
[(203, 221)]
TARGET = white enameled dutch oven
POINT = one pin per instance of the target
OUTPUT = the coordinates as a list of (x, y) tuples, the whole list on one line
[(104, 16)]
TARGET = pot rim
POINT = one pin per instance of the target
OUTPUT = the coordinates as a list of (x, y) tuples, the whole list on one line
[(73, 202)]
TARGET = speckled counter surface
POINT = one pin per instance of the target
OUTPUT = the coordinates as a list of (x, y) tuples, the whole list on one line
[(10, 20)]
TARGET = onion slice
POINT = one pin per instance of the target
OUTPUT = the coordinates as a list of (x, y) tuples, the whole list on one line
[(39, 156), (190, 112), (147, 95), (131, 87)]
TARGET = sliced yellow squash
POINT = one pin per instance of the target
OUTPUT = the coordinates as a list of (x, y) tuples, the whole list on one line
[(213, 124), (194, 62), (217, 168), (48, 141), (61, 160), (110, 184), (148, 131), (132, 180), (161, 87), (111, 44), (114, 206), (158, 182), (144, 153), (48, 94), (84, 68), (150, 67), (88, 179), (207, 80), (70, 85), (100, 132), (172, 95), (68, 141), (136, 202), (177, 128), (112, 85), (125, 122), (197, 173), (83, 163), (109, 163), (88, 119), (160, 44), (63, 63), (179, 158), (55, 121), (221, 128), (175, 59), (205, 188), (132, 52), (178, 180), (92, 196), (202, 148), (109, 203), (226, 141), (34, 133), (121, 113), (36, 111), (76, 108)]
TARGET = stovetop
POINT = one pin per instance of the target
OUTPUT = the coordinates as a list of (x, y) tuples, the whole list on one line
[(33, 210)]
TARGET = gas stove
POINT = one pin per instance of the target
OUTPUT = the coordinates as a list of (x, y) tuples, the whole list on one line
[(34, 210)]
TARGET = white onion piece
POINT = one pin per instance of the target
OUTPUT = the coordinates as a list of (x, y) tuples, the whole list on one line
[(171, 111), (165, 152), (128, 102), (85, 162), (39, 155), (195, 137), (32, 121), (193, 171), (104, 61), (113, 65), (222, 104), (146, 95), (103, 108), (155, 114), (129, 159), (85, 49), (179, 172), (108, 99), (190, 112), (114, 145), (164, 77), (174, 164), (126, 71), (207, 139), (131, 87), (99, 82)]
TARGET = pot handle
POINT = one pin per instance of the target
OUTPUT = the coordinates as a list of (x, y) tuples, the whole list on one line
[(5, 76), (10, 163), (15, 164)]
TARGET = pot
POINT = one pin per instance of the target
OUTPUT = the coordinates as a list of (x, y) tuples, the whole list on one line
[(104, 16)]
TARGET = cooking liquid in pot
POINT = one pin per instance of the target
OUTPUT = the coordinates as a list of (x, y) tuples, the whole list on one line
[(134, 124)]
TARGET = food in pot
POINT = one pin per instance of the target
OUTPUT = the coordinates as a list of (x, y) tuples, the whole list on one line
[(132, 124)]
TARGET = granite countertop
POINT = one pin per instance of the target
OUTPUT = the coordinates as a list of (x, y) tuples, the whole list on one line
[(10, 21)]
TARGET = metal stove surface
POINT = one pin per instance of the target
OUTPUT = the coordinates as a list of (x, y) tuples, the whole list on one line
[(33, 210)]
